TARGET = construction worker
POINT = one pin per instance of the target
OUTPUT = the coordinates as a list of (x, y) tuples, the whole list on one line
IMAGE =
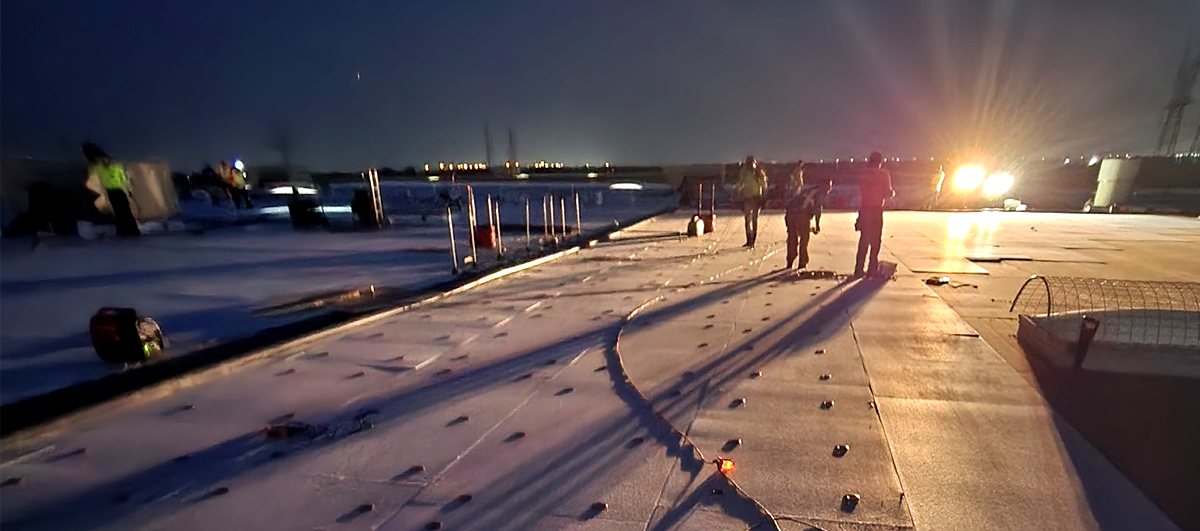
[(803, 208), (116, 186), (235, 184), (874, 188), (751, 186), (937, 180)]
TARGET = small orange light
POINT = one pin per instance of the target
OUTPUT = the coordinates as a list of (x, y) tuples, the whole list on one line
[(725, 465)]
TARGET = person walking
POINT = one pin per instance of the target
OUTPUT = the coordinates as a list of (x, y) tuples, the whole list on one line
[(751, 186), (116, 186), (804, 207), (874, 188)]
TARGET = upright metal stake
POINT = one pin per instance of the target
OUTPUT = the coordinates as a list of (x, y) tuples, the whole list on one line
[(499, 238), (712, 201), (553, 236), (453, 250), (578, 219), (471, 221), (563, 214), (376, 198), (527, 235), (545, 216), (491, 221)]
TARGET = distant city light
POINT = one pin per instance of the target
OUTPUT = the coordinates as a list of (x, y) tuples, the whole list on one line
[(426, 168), (592, 175), (434, 178), (1092, 161), (237, 163), (1067, 161)]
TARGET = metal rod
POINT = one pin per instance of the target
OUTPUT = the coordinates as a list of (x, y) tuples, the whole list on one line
[(545, 216), (553, 236), (471, 220), (499, 239), (527, 235), (491, 221), (712, 200), (563, 214), (699, 197), (578, 219), (453, 250)]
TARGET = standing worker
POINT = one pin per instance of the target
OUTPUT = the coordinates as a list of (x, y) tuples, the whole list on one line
[(116, 186), (235, 184), (874, 187), (751, 185), (804, 206)]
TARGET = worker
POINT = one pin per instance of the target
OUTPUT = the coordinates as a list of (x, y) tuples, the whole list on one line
[(937, 180), (751, 186), (874, 188), (235, 184), (116, 187), (803, 208)]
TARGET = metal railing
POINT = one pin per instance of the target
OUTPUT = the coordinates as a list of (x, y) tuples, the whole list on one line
[(1131, 312)]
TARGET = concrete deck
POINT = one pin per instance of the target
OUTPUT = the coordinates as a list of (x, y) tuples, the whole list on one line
[(508, 394)]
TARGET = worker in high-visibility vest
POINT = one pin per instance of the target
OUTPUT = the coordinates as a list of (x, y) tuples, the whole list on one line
[(235, 184), (116, 186), (751, 185)]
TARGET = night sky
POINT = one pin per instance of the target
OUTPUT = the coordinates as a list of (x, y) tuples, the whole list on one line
[(348, 84)]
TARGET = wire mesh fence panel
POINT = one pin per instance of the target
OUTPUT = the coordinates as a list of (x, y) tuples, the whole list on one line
[(1131, 312)]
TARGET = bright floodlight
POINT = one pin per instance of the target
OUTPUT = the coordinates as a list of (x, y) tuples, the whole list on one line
[(625, 186), (968, 177), (237, 163), (997, 184), (288, 190)]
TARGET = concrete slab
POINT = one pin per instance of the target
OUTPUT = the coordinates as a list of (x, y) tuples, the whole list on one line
[(941, 265), (962, 469), (942, 367), (972, 446), (787, 459)]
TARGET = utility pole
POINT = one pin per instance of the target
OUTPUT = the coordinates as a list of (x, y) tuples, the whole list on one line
[(1195, 147), (1185, 81), (487, 146), (512, 151)]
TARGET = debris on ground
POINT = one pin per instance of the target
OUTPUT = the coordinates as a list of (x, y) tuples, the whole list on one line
[(292, 430), (947, 281)]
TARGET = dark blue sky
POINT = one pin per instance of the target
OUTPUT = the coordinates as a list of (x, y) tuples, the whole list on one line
[(660, 81)]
